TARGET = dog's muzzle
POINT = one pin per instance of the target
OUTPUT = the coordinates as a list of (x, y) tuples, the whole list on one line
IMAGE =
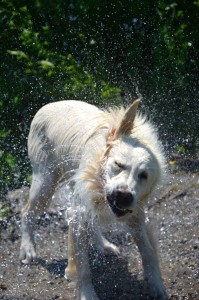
[(121, 202)]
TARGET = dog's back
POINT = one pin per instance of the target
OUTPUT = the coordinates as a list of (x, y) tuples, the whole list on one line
[(61, 127)]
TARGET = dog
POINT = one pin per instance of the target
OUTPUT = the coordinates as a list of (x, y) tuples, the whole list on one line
[(118, 160)]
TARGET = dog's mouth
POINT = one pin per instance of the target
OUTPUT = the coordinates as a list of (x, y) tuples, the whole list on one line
[(115, 207)]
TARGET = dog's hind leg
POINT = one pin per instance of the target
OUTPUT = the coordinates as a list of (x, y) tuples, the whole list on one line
[(41, 192), (71, 269)]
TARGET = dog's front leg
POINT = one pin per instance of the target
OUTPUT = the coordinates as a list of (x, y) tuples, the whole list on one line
[(27, 249), (102, 244), (80, 235), (145, 242)]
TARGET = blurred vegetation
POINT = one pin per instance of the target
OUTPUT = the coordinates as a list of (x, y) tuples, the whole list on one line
[(103, 52)]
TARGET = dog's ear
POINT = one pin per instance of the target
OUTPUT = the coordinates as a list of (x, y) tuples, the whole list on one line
[(125, 127), (127, 122)]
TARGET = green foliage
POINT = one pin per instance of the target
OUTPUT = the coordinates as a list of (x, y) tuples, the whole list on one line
[(104, 52), (4, 212), (181, 149)]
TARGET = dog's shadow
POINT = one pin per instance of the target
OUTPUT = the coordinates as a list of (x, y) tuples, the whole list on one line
[(55, 267), (111, 277)]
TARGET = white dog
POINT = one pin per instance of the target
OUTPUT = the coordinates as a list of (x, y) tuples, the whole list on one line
[(119, 162)]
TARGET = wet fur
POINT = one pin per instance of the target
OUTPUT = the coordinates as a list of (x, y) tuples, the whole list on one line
[(75, 135)]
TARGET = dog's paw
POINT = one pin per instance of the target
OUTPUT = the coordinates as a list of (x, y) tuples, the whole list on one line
[(27, 253), (157, 291), (107, 248), (87, 292), (70, 275), (111, 249), (158, 294)]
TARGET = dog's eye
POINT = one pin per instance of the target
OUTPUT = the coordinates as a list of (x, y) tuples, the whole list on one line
[(119, 165), (143, 175)]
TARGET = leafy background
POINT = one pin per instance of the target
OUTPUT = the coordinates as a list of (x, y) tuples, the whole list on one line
[(103, 52)]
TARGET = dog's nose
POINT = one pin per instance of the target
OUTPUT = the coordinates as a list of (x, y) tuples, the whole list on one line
[(124, 198)]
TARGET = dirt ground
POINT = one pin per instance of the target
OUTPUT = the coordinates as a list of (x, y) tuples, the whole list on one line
[(175, 212)]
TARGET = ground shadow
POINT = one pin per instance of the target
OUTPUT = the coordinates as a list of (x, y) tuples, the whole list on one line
[(55, 267), (111, 277)]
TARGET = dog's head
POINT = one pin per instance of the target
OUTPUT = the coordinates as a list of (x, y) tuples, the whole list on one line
[(130, 169), (131, 172)]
